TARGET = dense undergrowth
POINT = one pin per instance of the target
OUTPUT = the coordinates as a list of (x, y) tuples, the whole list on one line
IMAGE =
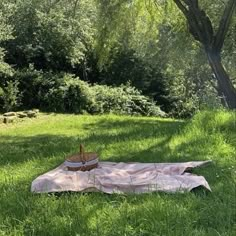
[(67, 93), (33, 147), (110, 43)]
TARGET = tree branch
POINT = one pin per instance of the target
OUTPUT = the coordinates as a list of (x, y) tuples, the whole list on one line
[(74, 8), (195, 3), (224, 25), (181, 7), (194, 26)]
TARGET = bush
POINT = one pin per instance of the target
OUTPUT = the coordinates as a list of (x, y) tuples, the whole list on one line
[(33, 86), (50, 92), (122, 100), (66, 93), (10, 96)]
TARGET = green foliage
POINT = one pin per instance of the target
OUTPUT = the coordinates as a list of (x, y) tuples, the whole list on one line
[(10, 96), (160, 39), (141, 74), (122, 100), (5, 68), (1, 92), (111, 43), (66, 93), (189, 93), (51, 35), (6, 10)]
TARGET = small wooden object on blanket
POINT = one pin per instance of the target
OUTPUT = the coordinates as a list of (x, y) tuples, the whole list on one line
[(83, 161)]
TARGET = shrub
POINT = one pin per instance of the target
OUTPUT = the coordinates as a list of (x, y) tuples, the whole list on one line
[(33, 86), (66, 93), (50, 92), (10, 96), (122, 100)]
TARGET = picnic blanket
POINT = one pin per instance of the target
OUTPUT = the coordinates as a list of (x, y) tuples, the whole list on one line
[(112, 177)]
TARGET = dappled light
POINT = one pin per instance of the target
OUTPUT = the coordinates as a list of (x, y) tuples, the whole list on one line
[(28, 150), (133, 81)]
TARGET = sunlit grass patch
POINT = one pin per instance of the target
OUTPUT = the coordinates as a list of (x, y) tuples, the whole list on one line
[(33, 147)]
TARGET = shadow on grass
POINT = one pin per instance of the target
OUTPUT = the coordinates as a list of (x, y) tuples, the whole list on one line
[(18, 149), (75, 212), (118, 136), (113, 213)]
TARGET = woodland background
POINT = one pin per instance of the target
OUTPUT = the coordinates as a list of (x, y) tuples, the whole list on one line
[(99, 56)]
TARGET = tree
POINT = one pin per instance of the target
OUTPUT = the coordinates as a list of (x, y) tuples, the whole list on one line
[(51, 35), (5, 34), (201, 28), (153, 15)]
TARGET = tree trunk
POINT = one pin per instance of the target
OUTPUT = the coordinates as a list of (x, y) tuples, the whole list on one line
[(225, 85)]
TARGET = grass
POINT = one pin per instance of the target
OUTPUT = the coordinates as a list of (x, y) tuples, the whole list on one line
[(33, 147)]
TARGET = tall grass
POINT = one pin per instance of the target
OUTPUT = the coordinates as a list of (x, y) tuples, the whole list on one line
[(33, 147)]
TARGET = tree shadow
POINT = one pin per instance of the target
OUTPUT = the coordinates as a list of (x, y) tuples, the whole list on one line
[(150, 140), (50, 150), (18, 149)]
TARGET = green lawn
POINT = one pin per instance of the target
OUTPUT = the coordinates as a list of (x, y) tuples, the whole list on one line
[(32, 147)]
